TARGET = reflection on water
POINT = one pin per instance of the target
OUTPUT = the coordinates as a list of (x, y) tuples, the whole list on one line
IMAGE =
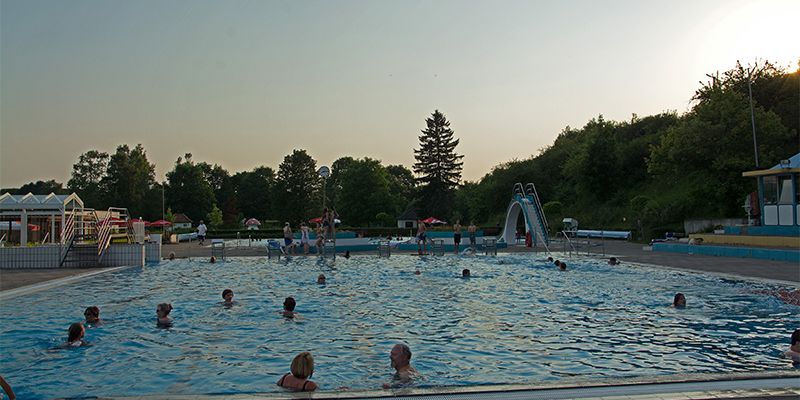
[(516, 320)]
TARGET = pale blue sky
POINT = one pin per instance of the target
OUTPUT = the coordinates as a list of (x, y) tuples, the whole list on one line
[(242, 83)]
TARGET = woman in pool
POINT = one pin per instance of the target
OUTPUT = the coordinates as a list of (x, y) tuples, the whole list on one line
[(302, 369), (679, 301), (227, 297), (162, 311), (75, 337), (92, 315)]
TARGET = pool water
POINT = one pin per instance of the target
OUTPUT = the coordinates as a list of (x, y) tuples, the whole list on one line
[(516, 320)]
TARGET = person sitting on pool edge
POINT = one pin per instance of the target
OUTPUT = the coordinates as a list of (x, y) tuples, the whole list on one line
[(288, 307), (679, 301), (75, 336), (92, 315), (227, 296), (401, 361), (302, 369), (162, 313), (794, 348)]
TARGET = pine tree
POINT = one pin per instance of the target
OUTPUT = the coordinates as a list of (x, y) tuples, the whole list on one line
[(438, 166)]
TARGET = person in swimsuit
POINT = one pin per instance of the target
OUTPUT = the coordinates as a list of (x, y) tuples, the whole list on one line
[(613, 261), (92, 315), (302, 369), (75, 336), (422, 243), (457, 235), (162, 313), (471, 231), (562, 266), (679, 301), (401, 362), (465, 273), (321, 279), (227, 297), (304, 230), (287, 238), (288, 307)]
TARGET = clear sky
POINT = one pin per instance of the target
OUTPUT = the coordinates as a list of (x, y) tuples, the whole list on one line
[(242, 83)]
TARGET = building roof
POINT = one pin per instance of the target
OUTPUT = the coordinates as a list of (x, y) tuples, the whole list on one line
[(410, 214), (181, 218), (793, 166), (32, 201)]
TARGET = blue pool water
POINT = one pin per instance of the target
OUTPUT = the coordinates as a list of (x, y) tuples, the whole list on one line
[(517, 320)]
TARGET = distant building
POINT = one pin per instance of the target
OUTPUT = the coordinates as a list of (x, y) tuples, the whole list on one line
[(778, 194), (182, 221), (408, 219)]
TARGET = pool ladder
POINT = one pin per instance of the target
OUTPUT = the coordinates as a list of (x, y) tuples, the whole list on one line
[(218, 249), (490, 246), (437, 247)]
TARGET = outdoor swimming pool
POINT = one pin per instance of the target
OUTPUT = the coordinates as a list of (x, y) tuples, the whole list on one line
[(517, 320)]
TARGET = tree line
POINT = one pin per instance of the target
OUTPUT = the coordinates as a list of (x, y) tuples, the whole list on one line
[(646, 174)]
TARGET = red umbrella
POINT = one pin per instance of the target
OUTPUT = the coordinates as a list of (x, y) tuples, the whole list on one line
[(433, 221), (252, 221), (160, 222)]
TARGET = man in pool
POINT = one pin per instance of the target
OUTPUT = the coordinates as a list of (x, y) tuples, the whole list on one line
[(92, 315), (321, 279), (227, 296), (465, 273), (401, 362), (613, 261), (422, 244), (288, 307)]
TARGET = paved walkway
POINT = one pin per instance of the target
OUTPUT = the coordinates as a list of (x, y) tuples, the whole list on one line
[(624, 251)]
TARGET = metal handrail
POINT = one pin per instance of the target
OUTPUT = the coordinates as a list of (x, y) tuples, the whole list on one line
[(47, 235), (568, 241), (539, 206)]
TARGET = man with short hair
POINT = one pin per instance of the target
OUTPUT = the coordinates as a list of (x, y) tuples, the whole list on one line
[(401, 362), (201, 232)]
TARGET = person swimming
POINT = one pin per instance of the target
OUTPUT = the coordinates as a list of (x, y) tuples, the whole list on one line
[(613, 261), (75, 335), (679, 301), (400, 357), (347, 254), (321, 279), (794, 347), (549, 259), (92, 315), (288, 307), (162, 312), (213, 260), (557, 263), (227, 296), (465, 273), (562, 266), (301, 371)]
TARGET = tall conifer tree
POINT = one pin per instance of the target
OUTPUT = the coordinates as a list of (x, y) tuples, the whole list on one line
[(438, 166)]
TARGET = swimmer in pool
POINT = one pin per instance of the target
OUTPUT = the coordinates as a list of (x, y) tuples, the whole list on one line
[(162, 312), (562, 266), (92, 315), (401, 361), (227, 296), (288, 307), (75, 337), (613, 261), (321, 279), (465, 273), (679, 301), (301, 371)]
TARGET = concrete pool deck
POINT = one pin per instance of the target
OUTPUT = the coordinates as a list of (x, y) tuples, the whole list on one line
[(625, 251)]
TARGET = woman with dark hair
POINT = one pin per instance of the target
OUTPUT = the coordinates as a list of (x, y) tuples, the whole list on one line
[(75, 336), (679, 301)]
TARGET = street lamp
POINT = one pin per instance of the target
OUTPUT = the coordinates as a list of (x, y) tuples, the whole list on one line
[(324, 172)]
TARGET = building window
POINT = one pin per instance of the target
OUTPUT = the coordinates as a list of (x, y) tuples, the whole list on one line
[(785, 190), (409, 224), (770, 190)]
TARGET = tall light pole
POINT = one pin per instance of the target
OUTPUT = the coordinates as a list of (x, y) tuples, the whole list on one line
[(752, 116), (163, 187), (324, 172)]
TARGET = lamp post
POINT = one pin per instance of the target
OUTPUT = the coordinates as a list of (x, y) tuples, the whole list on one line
[(752, 116), (324, 172)]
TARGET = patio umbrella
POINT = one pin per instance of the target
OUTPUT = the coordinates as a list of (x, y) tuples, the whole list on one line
[(433, 221), (162, 223), (252, 221)]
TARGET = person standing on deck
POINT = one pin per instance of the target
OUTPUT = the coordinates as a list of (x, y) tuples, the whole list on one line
[(457, 236), (201, 232), (422, 244)]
